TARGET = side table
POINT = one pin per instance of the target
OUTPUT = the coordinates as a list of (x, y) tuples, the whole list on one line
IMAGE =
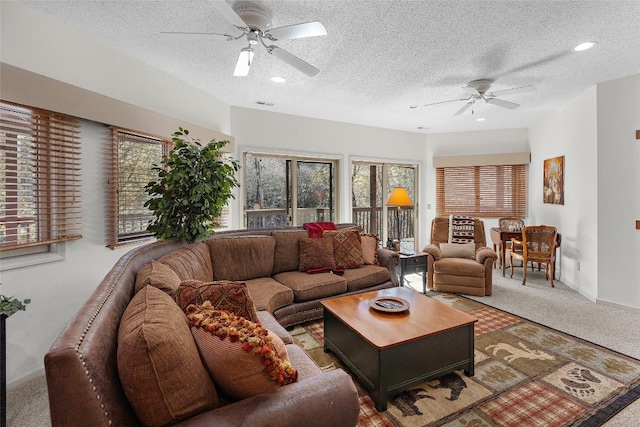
[(414, 263)]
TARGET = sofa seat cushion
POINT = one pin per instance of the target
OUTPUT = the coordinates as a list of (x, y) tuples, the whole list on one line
[(287, 252), (153, 370), (269, 294), (190, 262), (307, 287), (459, 267), (242, 258), (368, 275)]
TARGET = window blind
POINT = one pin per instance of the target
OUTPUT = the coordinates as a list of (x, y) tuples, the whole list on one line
[(491, 191), (40, 177)]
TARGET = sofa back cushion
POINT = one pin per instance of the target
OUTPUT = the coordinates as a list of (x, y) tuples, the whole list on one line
[(190, 262), (287, 249), (158, 275), (153, 369), (242, 258)]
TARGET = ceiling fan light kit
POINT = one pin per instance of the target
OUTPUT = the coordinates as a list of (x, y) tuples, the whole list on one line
[(255, 23)]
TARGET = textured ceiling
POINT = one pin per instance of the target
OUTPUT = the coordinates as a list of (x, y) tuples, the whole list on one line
[(382, 56)]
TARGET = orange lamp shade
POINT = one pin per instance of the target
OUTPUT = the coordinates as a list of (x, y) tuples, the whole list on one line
[(399, 197)]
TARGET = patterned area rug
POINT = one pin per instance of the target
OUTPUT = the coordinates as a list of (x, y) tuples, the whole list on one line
[(525, 375)]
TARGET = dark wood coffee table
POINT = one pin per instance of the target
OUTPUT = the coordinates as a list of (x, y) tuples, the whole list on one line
[(389, 352)]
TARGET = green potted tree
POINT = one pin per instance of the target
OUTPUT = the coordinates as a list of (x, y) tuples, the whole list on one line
[(194, 184)]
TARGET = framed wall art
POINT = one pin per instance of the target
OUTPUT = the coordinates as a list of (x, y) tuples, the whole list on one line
[(553, 191)]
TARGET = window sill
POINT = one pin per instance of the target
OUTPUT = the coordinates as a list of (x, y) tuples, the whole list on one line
[(55, 253)]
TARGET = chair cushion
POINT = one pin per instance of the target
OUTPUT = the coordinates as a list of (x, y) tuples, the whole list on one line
[(459, 267), (458, 250), (223, 295), (242, 357), (153, 369)]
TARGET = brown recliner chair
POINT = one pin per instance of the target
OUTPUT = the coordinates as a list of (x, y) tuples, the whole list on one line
[(459, 268)]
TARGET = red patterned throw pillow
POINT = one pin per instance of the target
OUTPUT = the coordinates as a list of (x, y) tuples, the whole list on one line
[(242, 357), (223, 295), (347, 248)]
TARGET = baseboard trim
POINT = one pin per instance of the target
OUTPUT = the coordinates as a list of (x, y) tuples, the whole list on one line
[(616, 305), (18, 382)]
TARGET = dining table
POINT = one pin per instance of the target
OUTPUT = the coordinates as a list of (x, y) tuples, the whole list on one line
[(501, 236)]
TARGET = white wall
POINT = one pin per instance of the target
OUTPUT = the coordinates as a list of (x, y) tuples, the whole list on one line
[(571, 131), (281, 133), (466, 143), (618, 189)]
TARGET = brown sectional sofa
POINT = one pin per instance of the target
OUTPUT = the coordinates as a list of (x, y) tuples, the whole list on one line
[(82, 367)]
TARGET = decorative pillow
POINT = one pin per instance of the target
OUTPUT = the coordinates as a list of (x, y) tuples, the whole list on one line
[(242, 357), (158, 275), (347, 248), (458, 250), (223, 295), (369, 244), (158, 361), (316, 254)]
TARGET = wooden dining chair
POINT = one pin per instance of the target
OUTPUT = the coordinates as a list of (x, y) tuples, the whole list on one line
[(538, 245), (511, 224)]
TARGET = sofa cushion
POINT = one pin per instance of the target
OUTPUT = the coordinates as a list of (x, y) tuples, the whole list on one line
[(243, 357), (158, 275), (307, 287), (269, 294), (223, 295), (368, 275), (458, 250), (316, 254), (153, 369), (459, 267), (242, 258), (347, 248), (287, 252), (190, 262), (369, 244)]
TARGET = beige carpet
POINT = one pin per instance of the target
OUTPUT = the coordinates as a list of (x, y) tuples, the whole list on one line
[(559, 308)]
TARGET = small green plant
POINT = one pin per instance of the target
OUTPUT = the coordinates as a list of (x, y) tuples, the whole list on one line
[(11, 305), (194, 184)]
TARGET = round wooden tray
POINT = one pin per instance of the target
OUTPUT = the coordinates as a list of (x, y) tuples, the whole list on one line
[(389, 304)]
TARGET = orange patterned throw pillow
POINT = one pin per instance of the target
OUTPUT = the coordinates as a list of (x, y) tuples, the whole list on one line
[(242, 357), (223, 295), (347, 248)]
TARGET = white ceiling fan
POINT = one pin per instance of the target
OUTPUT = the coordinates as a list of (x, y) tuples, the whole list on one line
[(255, 23), (478, 90)]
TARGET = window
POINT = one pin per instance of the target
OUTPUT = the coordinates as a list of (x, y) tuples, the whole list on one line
[(132, 157), (286, 190), (370, 190), (490, 191), (40, 203)]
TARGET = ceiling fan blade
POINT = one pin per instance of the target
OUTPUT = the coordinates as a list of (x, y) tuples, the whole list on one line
[(228, 12), (464, 108), (502, 103), (445, 102), (293, 60), (297, 31), (180, 35), (512, 90), (245, 59), (471, 90)]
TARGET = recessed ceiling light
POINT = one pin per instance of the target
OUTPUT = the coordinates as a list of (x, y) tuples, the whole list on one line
[(413, 106), (278, 79), (481, 119), (584, 46), (423, 128)]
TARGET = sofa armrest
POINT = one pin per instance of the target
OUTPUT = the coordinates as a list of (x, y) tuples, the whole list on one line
[(330, 399), (434, 251), (389, 259), (484, 253)]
